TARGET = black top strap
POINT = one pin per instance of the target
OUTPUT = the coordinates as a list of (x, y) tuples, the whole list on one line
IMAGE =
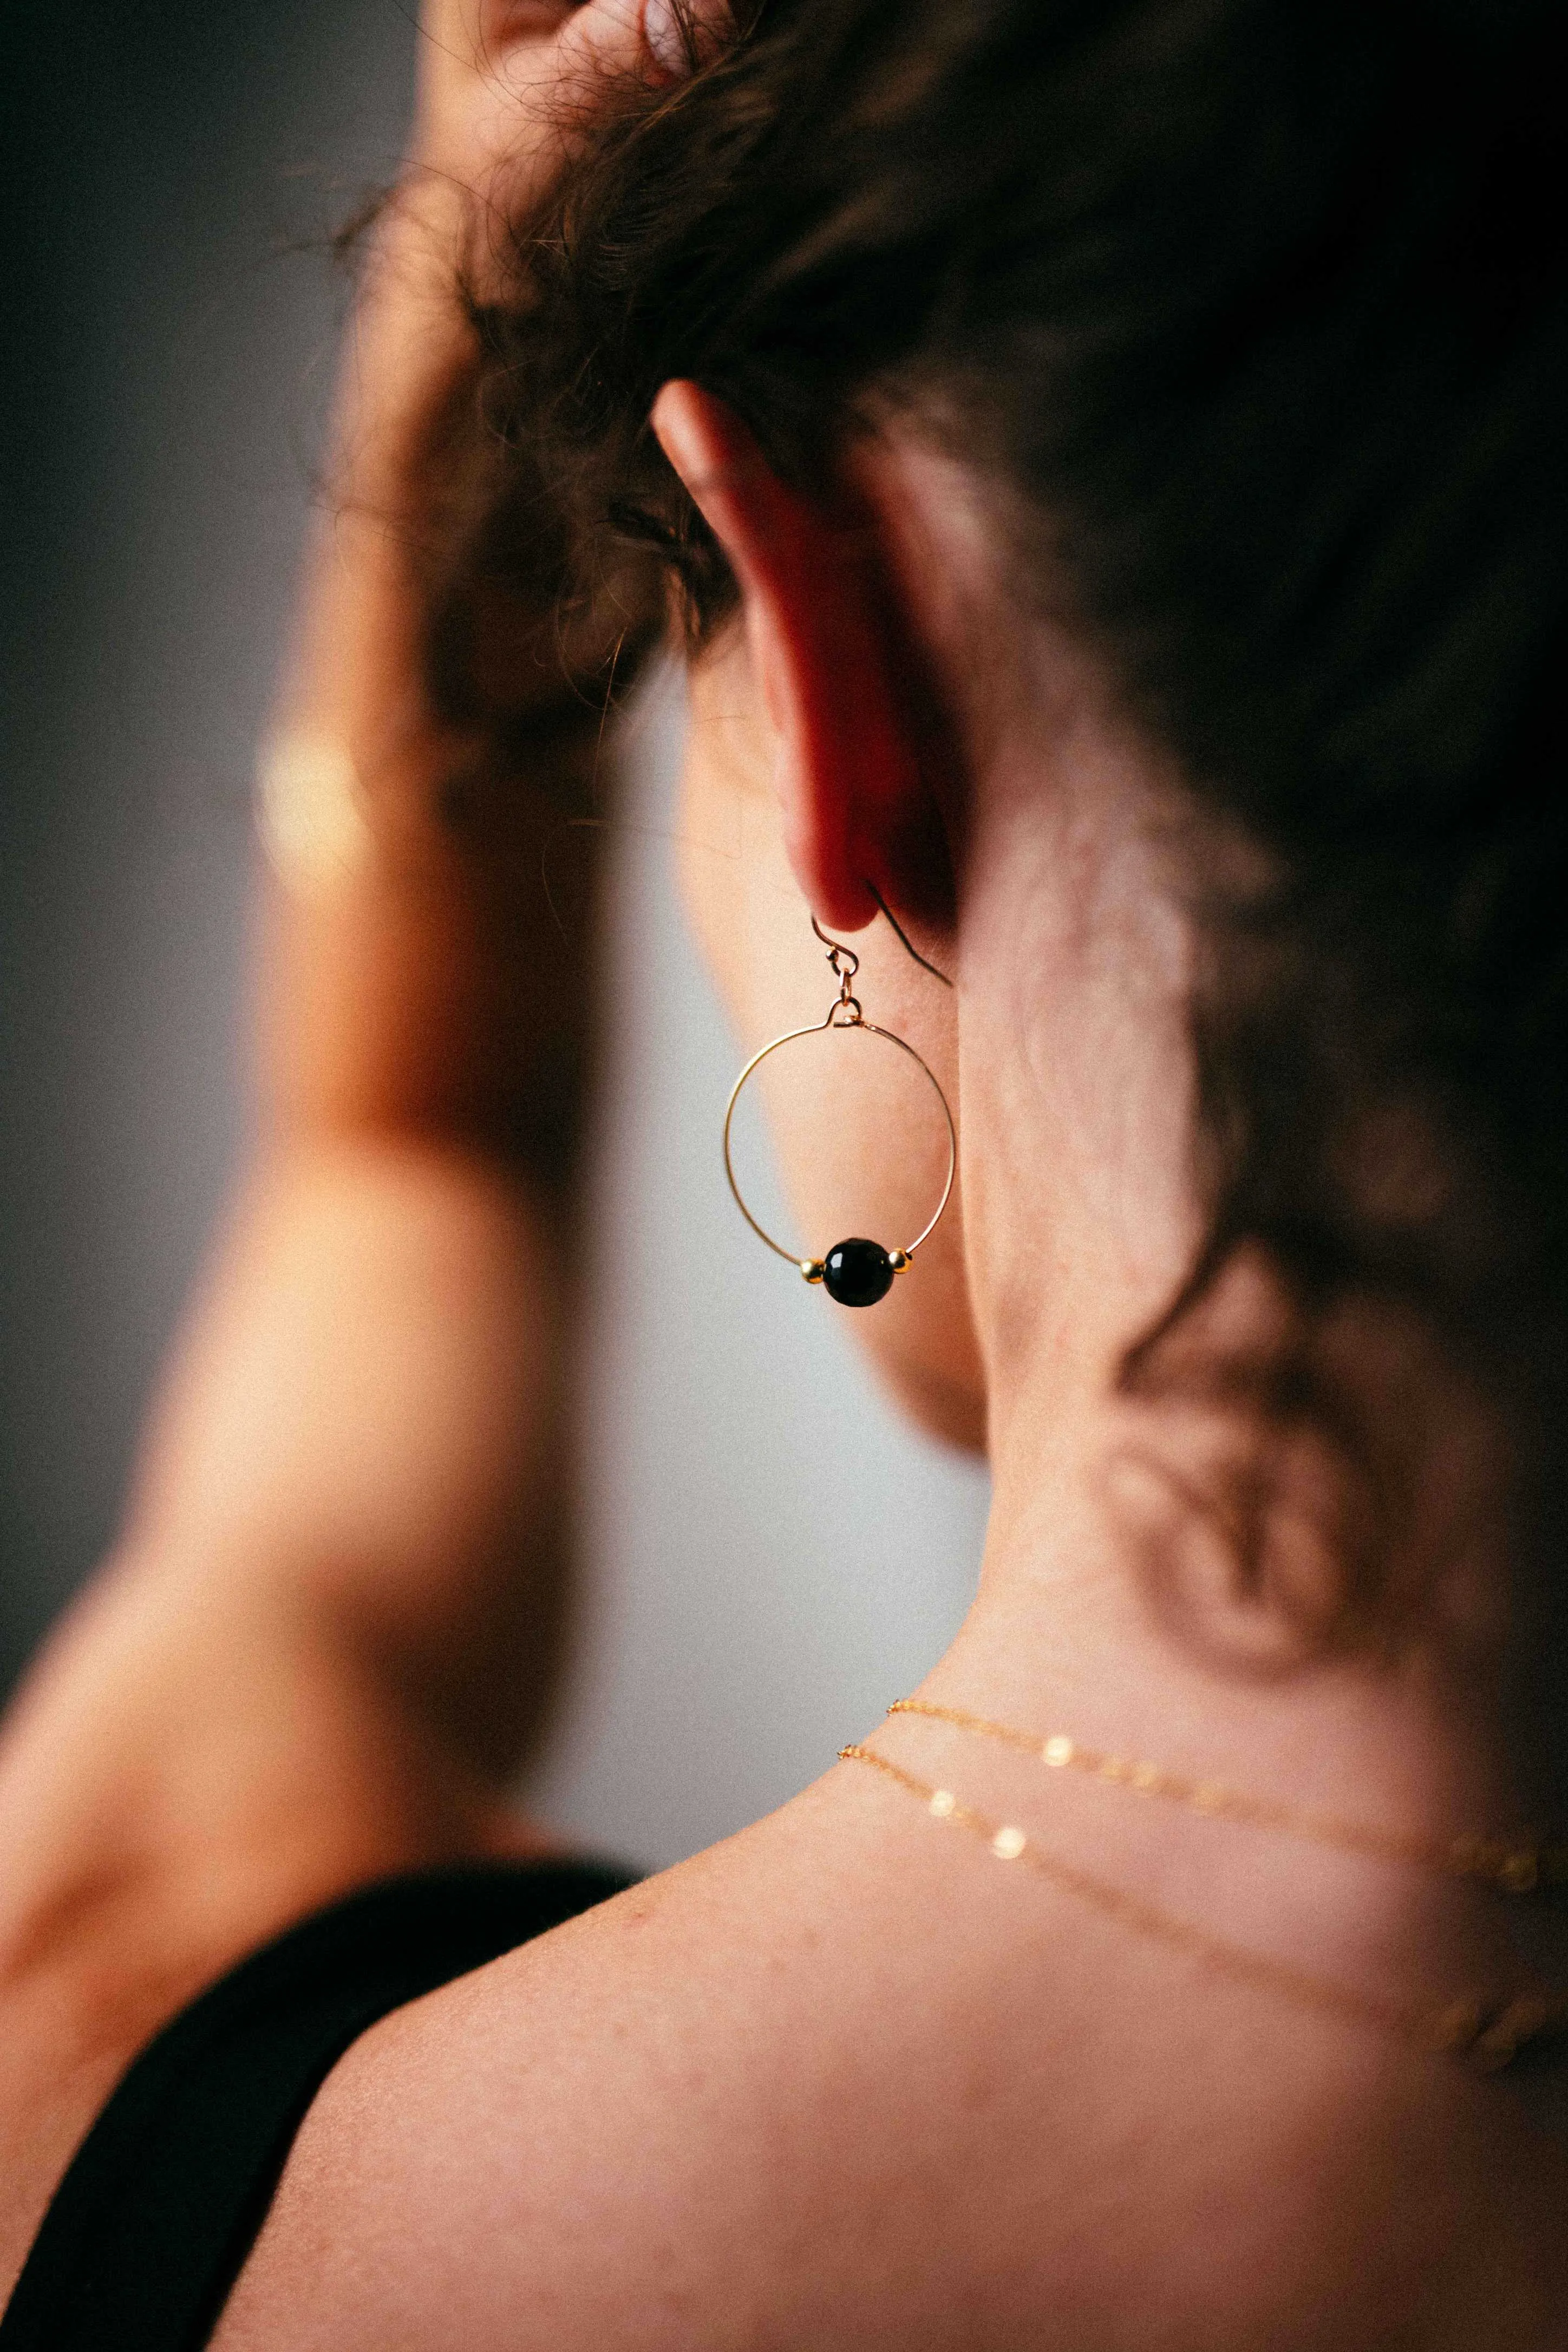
[(151, 2225)]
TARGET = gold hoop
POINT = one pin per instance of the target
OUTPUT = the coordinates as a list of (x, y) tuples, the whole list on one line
[(856, 1273)]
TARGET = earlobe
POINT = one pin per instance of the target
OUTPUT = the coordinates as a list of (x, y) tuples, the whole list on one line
[(857, 802)]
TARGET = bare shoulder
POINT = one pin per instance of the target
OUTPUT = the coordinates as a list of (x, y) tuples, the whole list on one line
[(571, 2144), (789, 2095)]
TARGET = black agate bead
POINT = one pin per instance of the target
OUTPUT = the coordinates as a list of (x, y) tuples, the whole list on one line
[(858, 1274)]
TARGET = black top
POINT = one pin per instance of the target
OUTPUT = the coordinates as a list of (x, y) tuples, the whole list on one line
[(148, 2229)]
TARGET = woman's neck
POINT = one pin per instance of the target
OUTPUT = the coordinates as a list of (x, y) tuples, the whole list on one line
[(1071, 1636), (1115, 1606), (1114, 1602)]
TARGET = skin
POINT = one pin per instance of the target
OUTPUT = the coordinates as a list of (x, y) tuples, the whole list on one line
[(844, 2080)]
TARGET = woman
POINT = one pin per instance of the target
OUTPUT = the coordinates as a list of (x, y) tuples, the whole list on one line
[(1106, 465)]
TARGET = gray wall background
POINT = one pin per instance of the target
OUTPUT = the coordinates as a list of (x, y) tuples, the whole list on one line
[(771, 1557)]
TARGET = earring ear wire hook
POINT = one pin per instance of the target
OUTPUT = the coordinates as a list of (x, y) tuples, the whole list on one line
[(845, 962), (904, 940), (836, 949)]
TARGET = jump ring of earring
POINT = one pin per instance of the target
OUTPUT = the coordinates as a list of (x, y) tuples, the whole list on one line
[(856, 1273)]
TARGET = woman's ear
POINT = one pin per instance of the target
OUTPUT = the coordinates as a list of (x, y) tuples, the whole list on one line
[(861, 819)]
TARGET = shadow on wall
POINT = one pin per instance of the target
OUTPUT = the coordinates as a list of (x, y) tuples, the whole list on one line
[(772, 1559)]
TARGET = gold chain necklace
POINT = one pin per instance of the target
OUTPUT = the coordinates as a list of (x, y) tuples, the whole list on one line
[(1487, 2032), (1517, 1866)]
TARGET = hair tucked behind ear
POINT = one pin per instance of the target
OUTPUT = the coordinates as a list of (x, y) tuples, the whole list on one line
[(1255, 315)]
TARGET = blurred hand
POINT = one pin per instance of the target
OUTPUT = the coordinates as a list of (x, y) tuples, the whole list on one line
[(501, 80), (502, 86)]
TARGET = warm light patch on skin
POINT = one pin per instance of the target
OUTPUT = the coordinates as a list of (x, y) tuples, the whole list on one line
[(311, 814)]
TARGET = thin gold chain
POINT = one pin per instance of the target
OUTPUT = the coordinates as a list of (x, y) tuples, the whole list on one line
[(1488, 2032), (1518, 1865)]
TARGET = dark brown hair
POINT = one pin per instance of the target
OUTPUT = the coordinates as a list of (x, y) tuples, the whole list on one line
[(1256, 313)]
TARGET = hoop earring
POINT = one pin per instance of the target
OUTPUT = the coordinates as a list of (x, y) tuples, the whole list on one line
[(855, 1273)]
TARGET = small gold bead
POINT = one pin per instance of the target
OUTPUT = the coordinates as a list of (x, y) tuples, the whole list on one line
[(1521, 1872), (813, 1268), (1008, 1843), (1059, 1750), (1145, 1776), (899, 1260), (942, 1802)]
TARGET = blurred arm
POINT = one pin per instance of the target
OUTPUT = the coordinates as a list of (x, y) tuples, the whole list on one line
[(327, 1633)]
